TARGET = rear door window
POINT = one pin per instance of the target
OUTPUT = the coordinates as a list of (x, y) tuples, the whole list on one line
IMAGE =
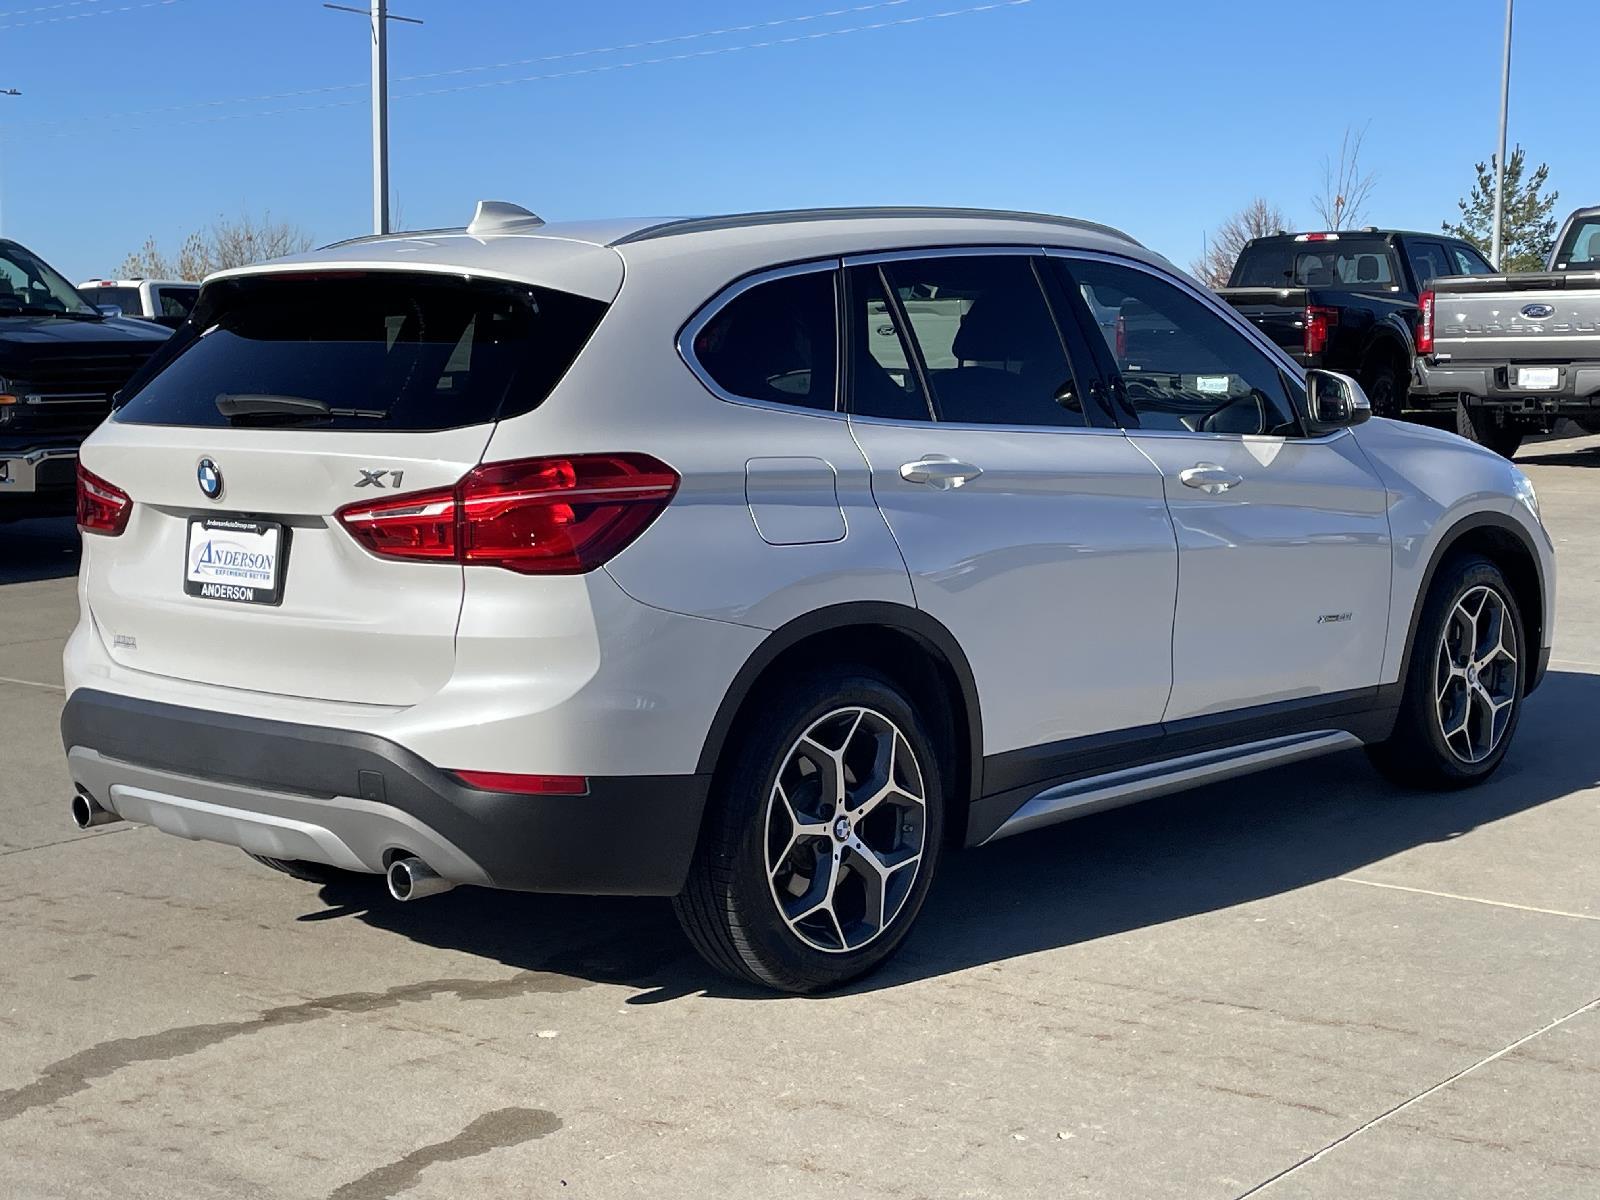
[(1469, 261), (354, 350), (1427, 261), (175, 301), (776, 342), (988, 343)]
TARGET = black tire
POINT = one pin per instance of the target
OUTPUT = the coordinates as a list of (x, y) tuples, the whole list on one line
[(1490, 430), (1381, 383), (1418, 753), (729, 909), (308, 872), (1588, 424)]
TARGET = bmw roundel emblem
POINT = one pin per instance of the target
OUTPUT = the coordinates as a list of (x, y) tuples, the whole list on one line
[(209, 476), (1538, 312)]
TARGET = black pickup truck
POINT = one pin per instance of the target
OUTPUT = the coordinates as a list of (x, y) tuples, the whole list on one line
[(1348, 301), (61, 360)]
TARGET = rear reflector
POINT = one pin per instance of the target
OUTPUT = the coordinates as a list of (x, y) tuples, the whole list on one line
[(525, 785), (102, 507), (535, 516)]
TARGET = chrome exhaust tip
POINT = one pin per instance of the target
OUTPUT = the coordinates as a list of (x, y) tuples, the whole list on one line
[(87, 812), (412, 879)]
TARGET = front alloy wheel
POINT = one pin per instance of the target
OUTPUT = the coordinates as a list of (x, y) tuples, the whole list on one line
[(1476, 675)]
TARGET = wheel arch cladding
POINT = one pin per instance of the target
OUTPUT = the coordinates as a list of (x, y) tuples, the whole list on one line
[(1501, 540), (906, 645)]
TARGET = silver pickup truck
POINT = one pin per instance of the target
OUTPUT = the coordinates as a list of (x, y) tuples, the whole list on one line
[(1511, 353)]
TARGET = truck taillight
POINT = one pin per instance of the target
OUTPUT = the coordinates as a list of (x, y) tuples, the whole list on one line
[(1319, 321), (1122, 339), (535, 516), (1425, 323), (102, 507)]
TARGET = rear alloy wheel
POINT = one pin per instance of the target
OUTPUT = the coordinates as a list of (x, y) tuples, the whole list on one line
[(821, 841), (1463, 689), (1490, 429)]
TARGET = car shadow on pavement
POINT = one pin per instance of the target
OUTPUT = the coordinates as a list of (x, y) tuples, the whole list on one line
[(1588, 456), (1163, 860), (38, 549)]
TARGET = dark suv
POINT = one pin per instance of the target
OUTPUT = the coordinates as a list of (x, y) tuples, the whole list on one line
[(61, 360)]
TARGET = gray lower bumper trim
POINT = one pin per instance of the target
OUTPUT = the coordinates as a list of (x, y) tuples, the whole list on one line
[(343, 831), (19, 471)]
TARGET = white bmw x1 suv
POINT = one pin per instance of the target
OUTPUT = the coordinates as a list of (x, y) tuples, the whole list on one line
[(758, 561)]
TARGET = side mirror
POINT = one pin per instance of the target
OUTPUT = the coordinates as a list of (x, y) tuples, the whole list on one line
[(108, 310), (1334, 401)]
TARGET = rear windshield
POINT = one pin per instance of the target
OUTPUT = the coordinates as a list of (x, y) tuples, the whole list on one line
[(355, 350), (1581, 247), (127, 299), (1358, 264)]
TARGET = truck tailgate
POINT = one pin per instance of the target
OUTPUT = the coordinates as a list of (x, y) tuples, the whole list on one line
[(1280, 313), (1537, 317)]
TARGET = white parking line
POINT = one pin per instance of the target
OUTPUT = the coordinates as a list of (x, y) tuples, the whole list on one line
[(33, 683), (1574, 662), (1405, 1104), (1400, 887)]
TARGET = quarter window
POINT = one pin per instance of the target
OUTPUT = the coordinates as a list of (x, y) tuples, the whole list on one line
[(1183, 367), (776, 342), (987, 341)]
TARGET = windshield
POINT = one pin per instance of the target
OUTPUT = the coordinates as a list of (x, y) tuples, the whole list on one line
[(1357, 264), (28, 283), (1581, 247), (391, 350)]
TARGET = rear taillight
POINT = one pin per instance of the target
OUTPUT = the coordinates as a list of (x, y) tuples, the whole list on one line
[(102, 507), (536, 516), (1425, 323), (1122, 339), (1318, 321)]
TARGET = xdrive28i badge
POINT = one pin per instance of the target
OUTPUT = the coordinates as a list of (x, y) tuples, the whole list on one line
[(209, 477)]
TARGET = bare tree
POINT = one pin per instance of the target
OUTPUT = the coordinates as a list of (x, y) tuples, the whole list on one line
[(1256, 219), (1342, 203), (236, 243)]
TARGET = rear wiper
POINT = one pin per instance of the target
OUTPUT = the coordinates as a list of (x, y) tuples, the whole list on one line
[(247, 404)]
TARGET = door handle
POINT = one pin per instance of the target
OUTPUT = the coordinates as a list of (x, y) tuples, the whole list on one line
[(1210, 478), (940, 471)]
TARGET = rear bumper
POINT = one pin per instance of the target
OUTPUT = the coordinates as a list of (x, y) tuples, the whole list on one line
[(1493, 383), (357, 800), (38, 477)]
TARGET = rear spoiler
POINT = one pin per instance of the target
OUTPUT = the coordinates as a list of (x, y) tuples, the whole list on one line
[(1530, 281)]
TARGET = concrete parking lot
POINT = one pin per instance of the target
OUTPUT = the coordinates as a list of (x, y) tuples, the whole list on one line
[(1304, 985)]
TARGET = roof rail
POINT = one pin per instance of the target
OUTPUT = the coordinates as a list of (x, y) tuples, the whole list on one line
[(788, 216)]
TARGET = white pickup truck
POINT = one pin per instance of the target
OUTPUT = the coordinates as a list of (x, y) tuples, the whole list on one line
[(164, 301), (1513, 353)]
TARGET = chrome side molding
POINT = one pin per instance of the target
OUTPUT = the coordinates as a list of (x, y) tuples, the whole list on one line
[(1116, 788)]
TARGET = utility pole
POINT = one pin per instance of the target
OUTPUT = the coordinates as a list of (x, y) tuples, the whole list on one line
[(379, 16), (6, 92), (1500, 160)]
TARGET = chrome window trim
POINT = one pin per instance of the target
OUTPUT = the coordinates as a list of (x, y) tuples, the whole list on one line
[(959, 250), (709, 310)]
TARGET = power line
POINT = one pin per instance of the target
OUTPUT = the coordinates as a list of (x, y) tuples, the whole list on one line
[(23, 12), (992, 6), (84, 16), (326, 89)]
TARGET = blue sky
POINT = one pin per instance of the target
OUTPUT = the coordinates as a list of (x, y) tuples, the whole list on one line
[(1158, 117)]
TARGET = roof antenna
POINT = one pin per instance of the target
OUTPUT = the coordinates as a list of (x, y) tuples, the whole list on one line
[(500, 216)]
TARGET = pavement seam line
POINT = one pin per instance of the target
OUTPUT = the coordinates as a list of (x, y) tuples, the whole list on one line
[(34, 683), (86, 837), (1400, 887), (1420, 1096)]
